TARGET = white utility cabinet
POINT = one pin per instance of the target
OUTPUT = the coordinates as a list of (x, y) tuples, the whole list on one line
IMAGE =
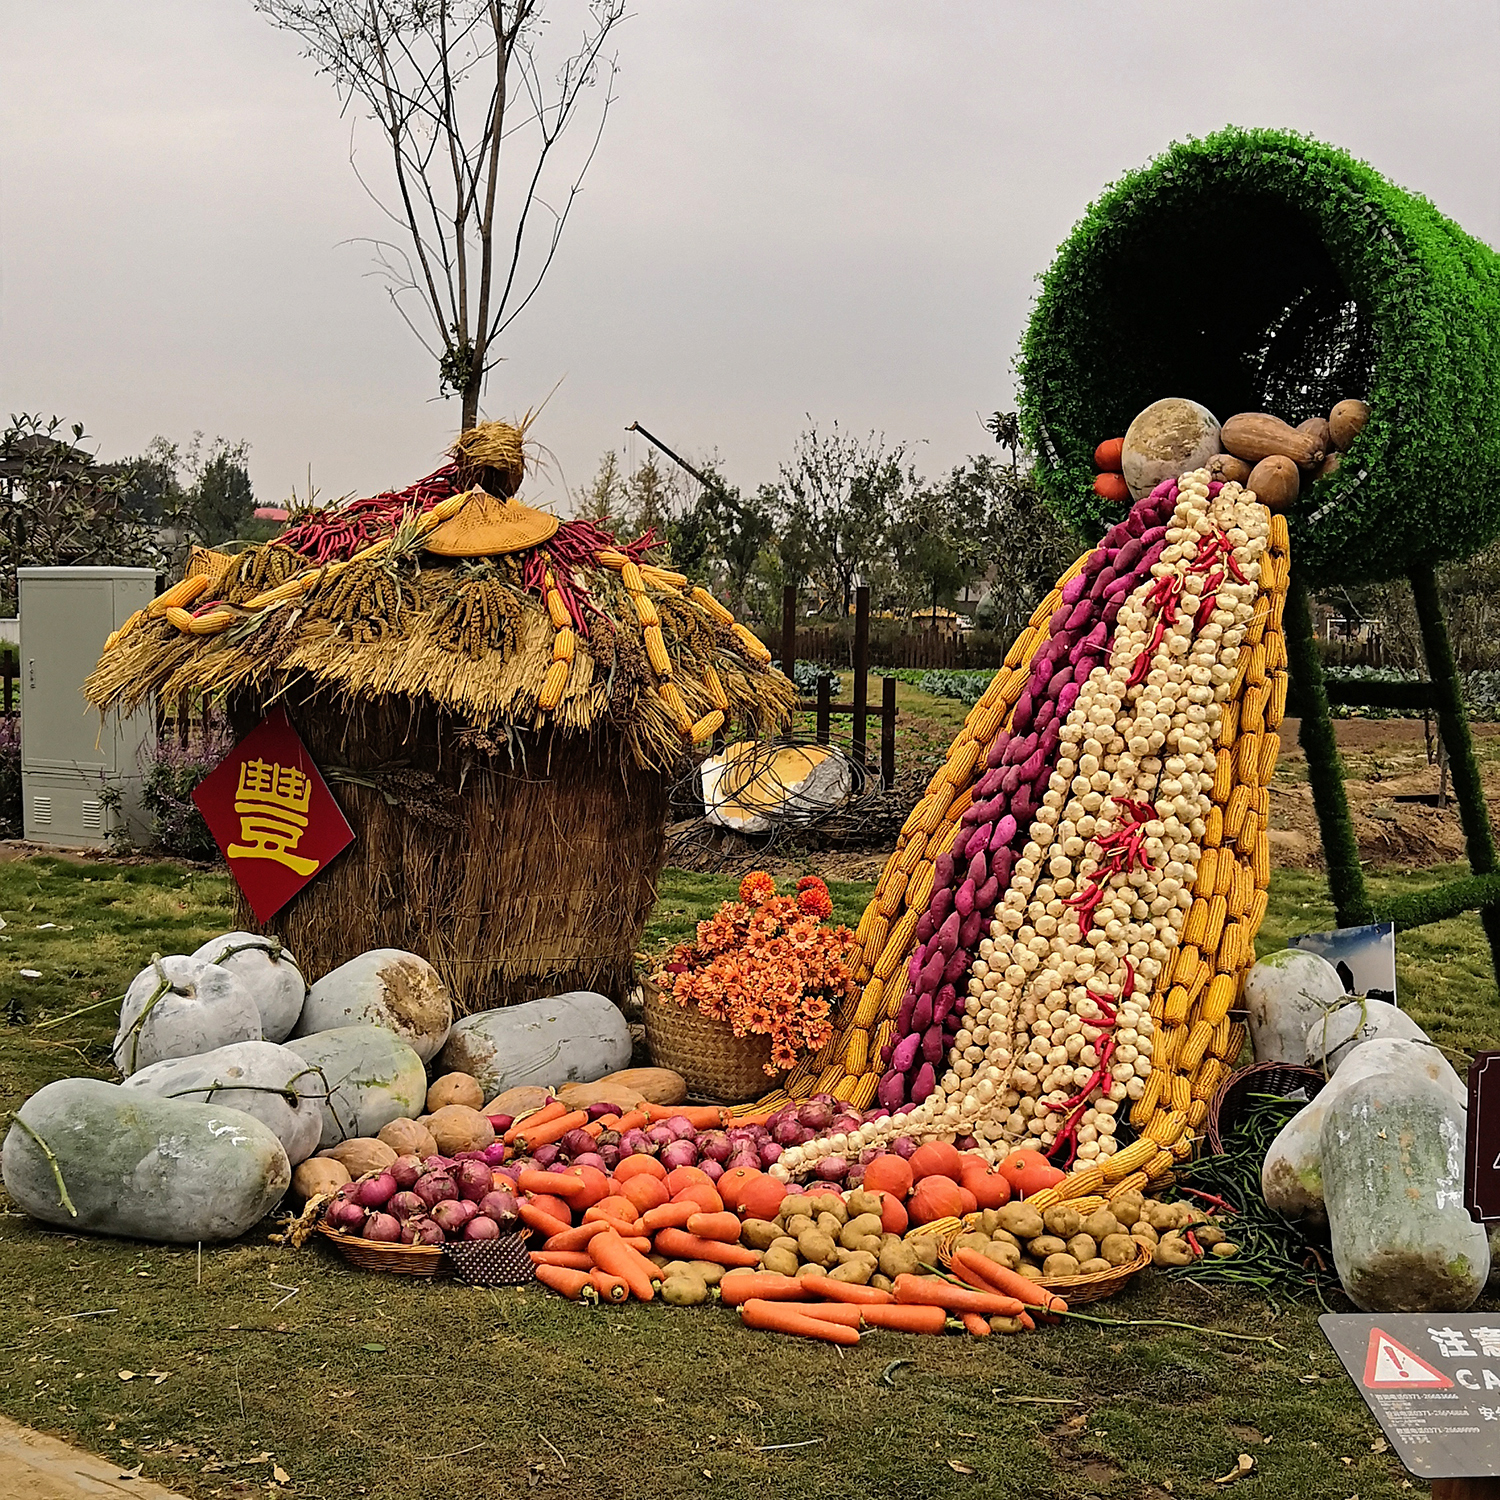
[(67, 756)]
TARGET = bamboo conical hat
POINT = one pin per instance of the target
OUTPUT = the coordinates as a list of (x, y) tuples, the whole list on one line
[(486, 527)]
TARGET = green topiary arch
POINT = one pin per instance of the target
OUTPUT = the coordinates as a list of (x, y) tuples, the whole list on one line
[(1257, 270)]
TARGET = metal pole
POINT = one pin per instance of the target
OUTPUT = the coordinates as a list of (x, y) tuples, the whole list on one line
[(888, 732)]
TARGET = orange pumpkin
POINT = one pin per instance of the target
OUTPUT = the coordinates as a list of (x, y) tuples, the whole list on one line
[(760, 1198), (596, 1183), (889, 1174), (732, 1183), (937, 1197), (990, 1189), (645, 1191), (894, 1218), (936, 1159), (1112, 487), (632, 1165), (1029, 1172), (704, 1194), (679, 1177), (969, 1201), (1109, 455)]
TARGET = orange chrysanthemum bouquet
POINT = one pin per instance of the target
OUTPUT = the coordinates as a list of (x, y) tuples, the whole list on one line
[(766, 964)]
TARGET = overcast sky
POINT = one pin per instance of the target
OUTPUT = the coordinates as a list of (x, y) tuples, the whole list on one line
[(798, 207)]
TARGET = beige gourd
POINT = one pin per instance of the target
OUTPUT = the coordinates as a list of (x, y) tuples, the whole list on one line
[(1254, 435)]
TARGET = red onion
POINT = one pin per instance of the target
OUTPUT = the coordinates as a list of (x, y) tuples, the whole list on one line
[(966, 1143), (421, 1232), (854, 1176), (598, 1111), (406, 1170), (346, 1214), (832, 1169), (501, 1123), (636, 1143), (512, 1170), (468, 1156), (451, 1216), (679, 1154), (787, 1132), (903, 1146), (474, 1179), (711, 1170), (869, 1154), (607, 1138), (714, 1145), (406, 1205), (815, 1115), (681, 1127), (436, 1163), (546, 1155), (661, 1134), (481, 1228), (435, 1187), (501, 1209), (346, 1190), (590, 1159), (769, 1152), (495, 1154), (383, 1227), (575, 1143), (376, 1191), (610, 1156), (745, 1158), (843, 1124)]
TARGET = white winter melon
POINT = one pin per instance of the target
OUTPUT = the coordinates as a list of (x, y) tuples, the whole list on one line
[(372, 1078), (89, 1155), (384, 987), (1341, 1032), (268, 971), (1393, 1182), (178, 1007), (1285, 993), (268, 1082), (571, 1038)]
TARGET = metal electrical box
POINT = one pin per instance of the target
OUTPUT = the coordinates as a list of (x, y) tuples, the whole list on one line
[(67, 757)]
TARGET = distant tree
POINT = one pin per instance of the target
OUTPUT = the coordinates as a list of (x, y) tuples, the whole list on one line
[(222, 501), (602, 501), (200, 494), (450, 83)]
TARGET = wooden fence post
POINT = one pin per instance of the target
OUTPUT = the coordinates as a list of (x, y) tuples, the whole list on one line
[(888, 732), (861, 672)]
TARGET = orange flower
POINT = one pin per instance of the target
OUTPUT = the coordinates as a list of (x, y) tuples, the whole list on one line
[(756, 888), (813, 897)]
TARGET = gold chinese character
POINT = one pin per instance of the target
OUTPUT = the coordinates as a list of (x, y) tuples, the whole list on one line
[(272, 801)]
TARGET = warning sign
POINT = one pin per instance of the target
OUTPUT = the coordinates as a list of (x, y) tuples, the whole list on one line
[(1482, 1158), (1433, 1382), (1390, 1366)]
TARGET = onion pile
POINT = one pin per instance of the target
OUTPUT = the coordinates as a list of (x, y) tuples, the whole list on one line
[(429, 1200)]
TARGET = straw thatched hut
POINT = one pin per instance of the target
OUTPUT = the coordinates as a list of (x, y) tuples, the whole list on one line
[(499, 701)]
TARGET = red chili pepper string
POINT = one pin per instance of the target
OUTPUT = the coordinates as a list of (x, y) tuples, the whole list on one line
[(1212, 1198), (1193, 1244)]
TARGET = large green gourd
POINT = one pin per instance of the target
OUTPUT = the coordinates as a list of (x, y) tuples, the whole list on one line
[(1392, 1149)]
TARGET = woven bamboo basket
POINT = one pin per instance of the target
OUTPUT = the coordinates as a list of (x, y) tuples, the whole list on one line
[(376, 1255), (1282, 1079), (717, 1064)]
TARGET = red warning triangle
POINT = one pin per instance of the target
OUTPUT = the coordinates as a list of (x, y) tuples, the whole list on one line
[(1390, 1366)]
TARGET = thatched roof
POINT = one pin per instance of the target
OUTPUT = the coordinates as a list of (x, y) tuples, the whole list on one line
[(574, 632)]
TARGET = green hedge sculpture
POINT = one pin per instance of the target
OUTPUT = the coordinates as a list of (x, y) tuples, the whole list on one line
[(1257, 270)]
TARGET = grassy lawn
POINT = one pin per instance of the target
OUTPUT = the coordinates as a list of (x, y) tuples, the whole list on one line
[(210, 1377)]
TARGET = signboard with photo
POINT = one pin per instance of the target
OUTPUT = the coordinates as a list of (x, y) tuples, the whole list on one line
[(1365, 957)]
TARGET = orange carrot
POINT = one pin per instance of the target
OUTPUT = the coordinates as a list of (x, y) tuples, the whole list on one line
[(552, 1110), (724, 1227), (831, 1312), (612, 1210), (572, 1284), (550, 1130), (845, 1291), (610, 1253), (904, 1319), (774, 1317), (610, 1288), (575, 1239), (535, 1217), (933, 1291), (573, 1260), (555, 1184), (699, 1116), (639, 1242), (1011, 1283), (1027, 1321), (684, 1246), (966, 1273), (606, 1122), (736, 1287), (673, 1215), (978, 1326)]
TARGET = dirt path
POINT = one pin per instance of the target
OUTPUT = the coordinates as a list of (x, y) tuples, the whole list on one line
[(34, 1466)]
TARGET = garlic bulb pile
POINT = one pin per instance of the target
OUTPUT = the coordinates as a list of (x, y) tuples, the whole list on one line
[(1057, 1029)]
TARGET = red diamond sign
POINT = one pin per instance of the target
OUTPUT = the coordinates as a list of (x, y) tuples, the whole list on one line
[(1390, 1366), (272, 815)]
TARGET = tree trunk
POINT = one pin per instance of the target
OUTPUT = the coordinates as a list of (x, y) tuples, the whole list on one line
[(471, 407)]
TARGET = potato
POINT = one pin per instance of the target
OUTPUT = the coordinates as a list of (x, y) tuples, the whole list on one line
[(1044, 1245), (1092, 1267), (318, 1175), (1210, 1235), (456, 1127), (881, 1283), (899, 1259), (797, 1224), (863, 1226), (757, 1234), (830, 1226), (674, 1267), (1118, 1249), (1083, 1247), (783, 1242), (1060, 1265), (407, 1138), (1160, 1216), (856, 1271), (999, 1324), (709, 1271), (812, 1270), (454, 1088), (684, 1290), (989, 1220), (972, 1240), (782, 1261), (860, 1202), (1172, 1250), (658, 1260), (361, 1154), (828, 1203), (1030, 1271), (1004, 1237), (817, 1248), (1063, 1220), (1021, 1220), (1002, 1254), (1127, 1208), (1224, 1249), (1101, 1224), (1141, 1230), (926, 1248)]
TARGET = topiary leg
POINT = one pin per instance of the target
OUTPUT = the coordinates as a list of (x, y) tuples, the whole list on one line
[(1346, 877), (1453, 725)]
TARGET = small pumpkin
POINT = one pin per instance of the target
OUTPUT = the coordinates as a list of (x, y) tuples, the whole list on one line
[(318, 1175), (1108, 455), (990, 1189), (936, 1197), (1029, 1172), (1227, 468), (894, 1218), (1346, 421), (1112, 487), (1254, 435), (457, 1127), (733, 1184), (761, 1197), (408, 1138), (936, 1159), (1276, 482), (889, 1174), (361, 1154)]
